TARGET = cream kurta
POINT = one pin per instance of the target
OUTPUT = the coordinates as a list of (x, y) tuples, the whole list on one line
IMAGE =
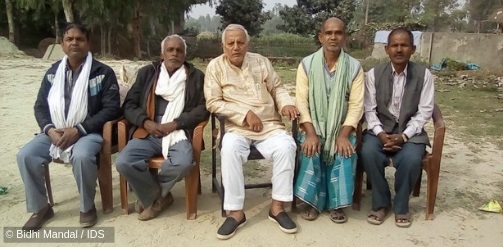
[(233, 91)]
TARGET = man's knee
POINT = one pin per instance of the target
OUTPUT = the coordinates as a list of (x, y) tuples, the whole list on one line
[(83, 158), (121, 162)]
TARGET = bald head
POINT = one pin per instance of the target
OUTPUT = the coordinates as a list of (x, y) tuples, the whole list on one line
[(333, 20)]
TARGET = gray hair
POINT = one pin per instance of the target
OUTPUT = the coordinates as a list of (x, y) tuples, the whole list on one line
[(234, 27), (172, 37)]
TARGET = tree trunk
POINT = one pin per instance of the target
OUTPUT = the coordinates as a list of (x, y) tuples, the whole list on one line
[(68, 8), (109, 38), (367, 12), (103, 39), (56, 27), (10, 20), (136, 33)]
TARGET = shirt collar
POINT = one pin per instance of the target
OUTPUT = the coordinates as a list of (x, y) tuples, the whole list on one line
[(393, 71)]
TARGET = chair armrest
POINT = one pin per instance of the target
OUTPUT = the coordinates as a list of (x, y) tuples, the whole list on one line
[(108, 135), (122, 133), (214, 131), (197, 140), (438, 136)]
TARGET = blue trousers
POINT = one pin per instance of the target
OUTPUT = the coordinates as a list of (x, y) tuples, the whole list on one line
[(407, 162), (132, 163), (33, 156)]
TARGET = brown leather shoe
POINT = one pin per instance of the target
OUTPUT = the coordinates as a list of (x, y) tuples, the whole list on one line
[(138, 206), (38, 219), (88, 218), (157, 207)]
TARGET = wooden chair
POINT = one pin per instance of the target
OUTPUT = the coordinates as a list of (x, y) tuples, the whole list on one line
[(217, 186), (431, 164), (105, 167), (192, 180)]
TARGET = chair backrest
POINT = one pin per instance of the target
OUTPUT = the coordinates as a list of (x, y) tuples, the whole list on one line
[(438, 136)]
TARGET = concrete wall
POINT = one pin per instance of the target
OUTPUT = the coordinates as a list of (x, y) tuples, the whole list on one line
[(485, 50)]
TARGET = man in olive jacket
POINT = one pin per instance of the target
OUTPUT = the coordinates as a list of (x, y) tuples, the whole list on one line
[(164, 106)]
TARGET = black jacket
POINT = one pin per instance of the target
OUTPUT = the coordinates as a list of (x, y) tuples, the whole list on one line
[(194, 111), (103, 99)]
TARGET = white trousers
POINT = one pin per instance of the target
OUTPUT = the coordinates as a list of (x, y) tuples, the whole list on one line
[(278, 148)]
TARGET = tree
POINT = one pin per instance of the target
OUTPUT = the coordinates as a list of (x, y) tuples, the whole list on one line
[(436, 13), (271, 25), (245, 12), (479, 10), (305, 17), (10, 19), (68, 9)]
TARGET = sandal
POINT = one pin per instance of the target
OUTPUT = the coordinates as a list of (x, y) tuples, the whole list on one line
[(338, 216), (377, 217), (310, 214), (403, 220)]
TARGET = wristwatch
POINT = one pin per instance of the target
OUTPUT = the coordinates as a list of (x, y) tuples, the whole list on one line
[(405, 138)]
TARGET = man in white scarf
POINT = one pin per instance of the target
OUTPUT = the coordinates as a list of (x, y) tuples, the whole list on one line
[(164, 106), (77, 96)]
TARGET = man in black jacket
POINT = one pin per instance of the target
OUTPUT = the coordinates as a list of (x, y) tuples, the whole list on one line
[(77, 96), (164, 105)]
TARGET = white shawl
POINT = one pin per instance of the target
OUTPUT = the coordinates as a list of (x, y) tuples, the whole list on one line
[(78, 104), (172, 89)]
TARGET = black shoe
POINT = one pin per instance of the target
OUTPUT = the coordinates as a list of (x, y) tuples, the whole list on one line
[(38, 219), (89, 218), (229, 227), (284, 222)]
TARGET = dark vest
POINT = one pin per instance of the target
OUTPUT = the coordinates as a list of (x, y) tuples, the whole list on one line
[(383, 74)]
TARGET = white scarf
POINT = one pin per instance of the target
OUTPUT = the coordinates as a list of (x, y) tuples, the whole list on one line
[(172, 89), (78, 104)]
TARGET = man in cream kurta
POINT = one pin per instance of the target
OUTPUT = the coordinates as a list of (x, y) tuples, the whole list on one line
[(244, 87)]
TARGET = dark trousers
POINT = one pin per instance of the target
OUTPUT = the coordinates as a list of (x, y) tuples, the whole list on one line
[(407, 162)]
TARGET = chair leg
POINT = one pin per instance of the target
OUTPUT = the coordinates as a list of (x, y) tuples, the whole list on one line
[(199, 184), (124, 195), (357, 194), (48, 185), (192, 185), (105, 183), (431, 194), (417, 187)]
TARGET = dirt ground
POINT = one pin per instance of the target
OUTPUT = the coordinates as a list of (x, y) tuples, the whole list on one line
[(471, 175)]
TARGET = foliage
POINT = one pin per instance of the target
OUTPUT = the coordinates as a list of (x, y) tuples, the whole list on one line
[(204, 23), (245, 12), (305, 17)]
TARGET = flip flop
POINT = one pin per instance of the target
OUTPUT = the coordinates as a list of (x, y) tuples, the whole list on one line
[(403, 220), (338, 216), (310, 214), (377, 217)]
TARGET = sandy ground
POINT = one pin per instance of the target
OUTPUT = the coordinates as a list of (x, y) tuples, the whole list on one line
[(470, 176)]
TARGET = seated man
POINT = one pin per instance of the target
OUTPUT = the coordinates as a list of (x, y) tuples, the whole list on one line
[(398, 103), (244, 87), (77, 96), (164, 106), (330, 100)]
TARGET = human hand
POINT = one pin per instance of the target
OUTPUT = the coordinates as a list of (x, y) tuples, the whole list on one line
[(311, 145), (69, 136), (391, 143), (153, 128), (344, 147), (290, 111), (167, 128), (254, 122), (54, 135)]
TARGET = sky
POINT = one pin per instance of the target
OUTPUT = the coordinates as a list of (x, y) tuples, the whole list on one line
[(205, 9)]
